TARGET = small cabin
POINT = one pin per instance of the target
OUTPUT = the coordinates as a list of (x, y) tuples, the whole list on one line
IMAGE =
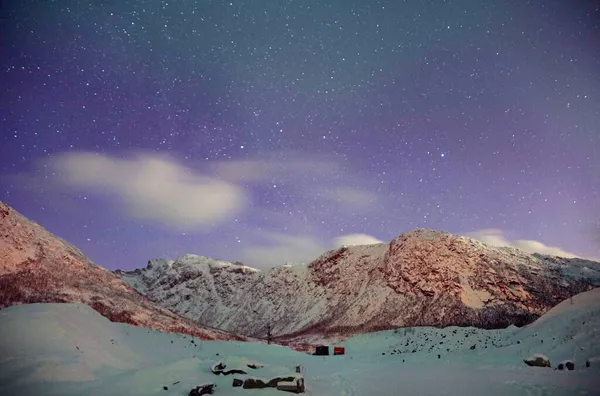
[(339, 350), (321, 350)]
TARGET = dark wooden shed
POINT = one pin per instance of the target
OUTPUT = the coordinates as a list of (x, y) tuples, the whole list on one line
[(321, 350)]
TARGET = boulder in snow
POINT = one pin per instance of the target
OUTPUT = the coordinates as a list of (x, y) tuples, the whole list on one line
[(593, 361), (537, 360), (254, 383), (218, 367), (259, 383), (296, 386), (237, 382), (566, 364), (254, 365), (234, 371), (273, 382), (204, 389)]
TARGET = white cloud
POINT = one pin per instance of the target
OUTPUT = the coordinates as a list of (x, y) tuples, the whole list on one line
[(355, 239), (153, 187), (495, 237), (538, 247)]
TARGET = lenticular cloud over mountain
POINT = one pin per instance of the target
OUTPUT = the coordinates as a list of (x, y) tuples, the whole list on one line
[(495, 237), (355, 239)]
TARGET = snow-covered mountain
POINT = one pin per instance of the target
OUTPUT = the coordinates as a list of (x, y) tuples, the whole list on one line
[(421, 278), (36, 266)]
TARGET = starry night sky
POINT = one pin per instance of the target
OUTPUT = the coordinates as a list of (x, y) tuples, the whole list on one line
[(263, 131)]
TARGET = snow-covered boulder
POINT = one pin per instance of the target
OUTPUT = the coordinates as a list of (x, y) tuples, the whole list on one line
[(296, 386), (204, 389), (218, 367), (254, 383), (537, 360), (254, 364), (274, 382), (259, 383), (566, 364)]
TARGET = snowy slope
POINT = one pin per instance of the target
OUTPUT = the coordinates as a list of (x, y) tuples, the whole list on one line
[(571, 330), (421, 278), (36, 266), (68, 349)]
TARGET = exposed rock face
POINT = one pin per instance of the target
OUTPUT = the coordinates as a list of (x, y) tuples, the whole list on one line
[(36, 266), (420, 278)]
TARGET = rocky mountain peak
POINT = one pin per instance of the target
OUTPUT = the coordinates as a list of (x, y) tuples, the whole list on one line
[(38, 267)]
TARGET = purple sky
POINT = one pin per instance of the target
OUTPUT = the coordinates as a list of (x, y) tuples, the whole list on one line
[(265, 131)]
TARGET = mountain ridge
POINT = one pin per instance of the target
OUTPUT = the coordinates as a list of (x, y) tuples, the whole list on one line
[(38, 267), (423, 277)]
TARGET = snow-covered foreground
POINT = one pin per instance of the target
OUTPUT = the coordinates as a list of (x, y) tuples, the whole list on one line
[(69, 349)]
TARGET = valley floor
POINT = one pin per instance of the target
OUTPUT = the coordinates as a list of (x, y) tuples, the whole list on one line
[(69, 349)]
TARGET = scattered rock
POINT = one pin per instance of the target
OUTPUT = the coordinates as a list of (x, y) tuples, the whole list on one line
[(273, 382), (296, 386), (254, 365), (259, 383), (237, 382), (593, 361), (566, 364), (165, 387), (218, 367), (254, 383), (537, 360), (203, 389), (233, 371)]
